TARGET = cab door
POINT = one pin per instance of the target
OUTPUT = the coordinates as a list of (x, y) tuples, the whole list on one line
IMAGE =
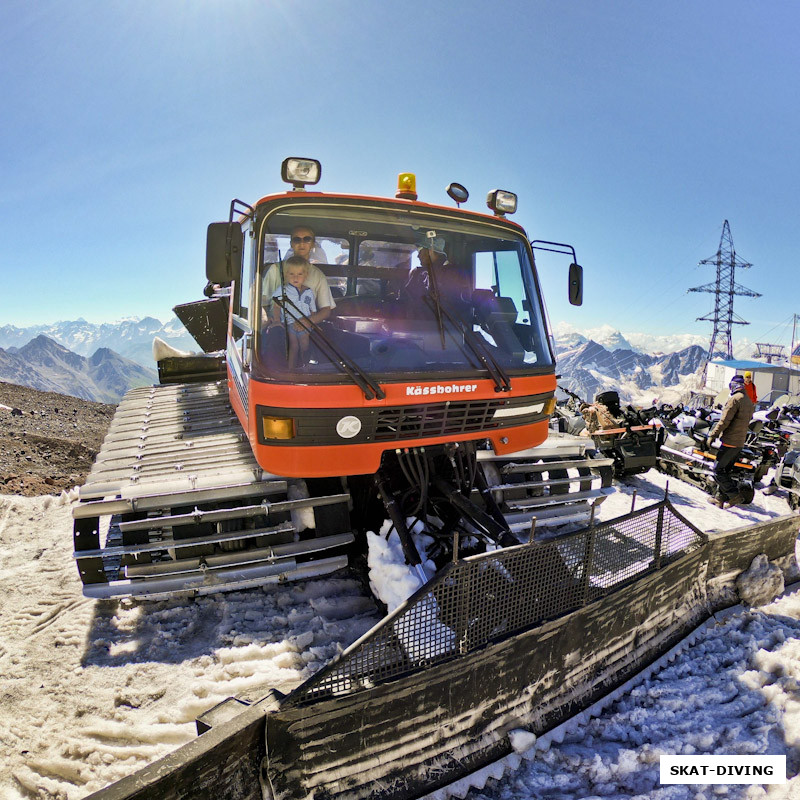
[(241, 326)]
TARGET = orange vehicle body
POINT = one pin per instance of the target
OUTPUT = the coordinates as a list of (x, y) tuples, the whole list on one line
[(311, 461), (316, 405)]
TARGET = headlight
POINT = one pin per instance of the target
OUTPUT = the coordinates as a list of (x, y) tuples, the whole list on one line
[(301, 172), (502, 202)]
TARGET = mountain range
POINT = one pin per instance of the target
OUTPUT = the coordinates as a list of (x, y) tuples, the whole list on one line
[(49, 366), (568, 337), (590, 368), (130, 338), (101, 361)]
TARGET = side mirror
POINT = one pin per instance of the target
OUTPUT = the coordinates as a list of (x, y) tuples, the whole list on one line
[(224, 246), (576, 284)]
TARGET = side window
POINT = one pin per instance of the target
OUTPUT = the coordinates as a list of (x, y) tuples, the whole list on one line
[(485, 272), (385, 254), (275, 247), (499, 271), (244, 286), (510, 282), (329, 250), (336, 252), (384, 267)]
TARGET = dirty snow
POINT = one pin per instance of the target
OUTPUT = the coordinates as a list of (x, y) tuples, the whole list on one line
[(92, 691)]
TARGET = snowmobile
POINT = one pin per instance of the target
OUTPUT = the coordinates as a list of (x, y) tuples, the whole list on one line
[(786, 442), (688, 454), (619, 433), (784, 419), (787, 476)]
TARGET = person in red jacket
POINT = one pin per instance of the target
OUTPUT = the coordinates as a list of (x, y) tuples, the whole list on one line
[(750, 387)]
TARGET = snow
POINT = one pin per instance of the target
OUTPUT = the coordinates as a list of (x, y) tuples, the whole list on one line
[(567, 334), (391, 580), (732, 692), (162, 349), (761, 583), (93, 691), (611, 338)]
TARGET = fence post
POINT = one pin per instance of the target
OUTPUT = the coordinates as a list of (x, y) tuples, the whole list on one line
[(659, 536), (588, 554)]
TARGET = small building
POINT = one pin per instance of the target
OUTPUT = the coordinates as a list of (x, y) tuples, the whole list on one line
[(772, 381)]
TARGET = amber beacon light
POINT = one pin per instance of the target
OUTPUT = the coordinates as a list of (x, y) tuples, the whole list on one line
[(406, 186)]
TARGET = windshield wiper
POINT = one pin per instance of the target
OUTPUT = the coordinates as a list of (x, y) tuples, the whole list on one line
[(371, 388), (501, 379), (433, 294)]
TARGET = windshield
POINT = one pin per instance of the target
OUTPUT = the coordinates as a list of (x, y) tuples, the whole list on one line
[(386, 292)]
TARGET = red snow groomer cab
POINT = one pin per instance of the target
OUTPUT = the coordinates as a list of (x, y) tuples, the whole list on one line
[(428, 326)]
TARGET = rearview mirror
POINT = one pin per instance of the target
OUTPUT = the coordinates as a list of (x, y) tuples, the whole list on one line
[(224, 245), (575, 284)]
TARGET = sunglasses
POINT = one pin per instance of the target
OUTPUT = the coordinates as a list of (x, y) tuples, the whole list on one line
[(298, 239)]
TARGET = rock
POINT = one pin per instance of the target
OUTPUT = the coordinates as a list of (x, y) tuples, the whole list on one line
[(55, 449)]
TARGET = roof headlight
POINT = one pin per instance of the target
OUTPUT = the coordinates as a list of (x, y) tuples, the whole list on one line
[(502, 202), (301, 172), (458, 193)]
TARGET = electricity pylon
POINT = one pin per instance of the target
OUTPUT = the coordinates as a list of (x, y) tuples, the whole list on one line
[(724, 290)]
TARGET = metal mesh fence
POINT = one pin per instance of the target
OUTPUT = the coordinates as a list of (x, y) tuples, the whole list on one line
[(494, 595)]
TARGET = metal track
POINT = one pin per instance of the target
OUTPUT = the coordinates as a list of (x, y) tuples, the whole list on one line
[(186, 507), (575, 483), (191, 510)]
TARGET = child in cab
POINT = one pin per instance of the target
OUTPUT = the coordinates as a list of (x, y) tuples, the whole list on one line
[(296, 302)]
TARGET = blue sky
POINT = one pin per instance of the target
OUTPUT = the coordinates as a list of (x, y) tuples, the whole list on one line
[(629, 129)]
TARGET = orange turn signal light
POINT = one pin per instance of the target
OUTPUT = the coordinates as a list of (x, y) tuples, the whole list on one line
[(278, 428)]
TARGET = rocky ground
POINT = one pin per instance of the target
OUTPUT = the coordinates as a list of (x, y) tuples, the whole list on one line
[(48, 441)]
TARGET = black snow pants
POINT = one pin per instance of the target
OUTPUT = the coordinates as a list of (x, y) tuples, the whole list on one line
[(726, 458)]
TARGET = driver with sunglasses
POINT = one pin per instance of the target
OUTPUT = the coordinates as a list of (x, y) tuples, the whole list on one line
[(303, 244)]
